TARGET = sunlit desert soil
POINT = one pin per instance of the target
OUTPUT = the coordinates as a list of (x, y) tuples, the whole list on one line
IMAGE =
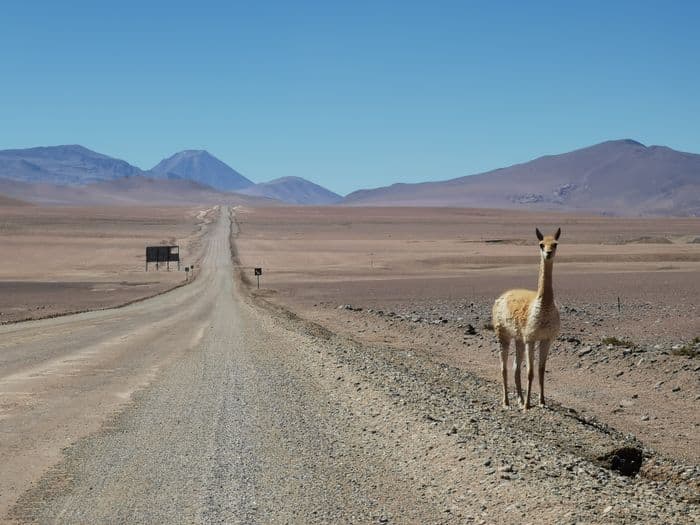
[(57, 260), (422, 276), (378, 256)]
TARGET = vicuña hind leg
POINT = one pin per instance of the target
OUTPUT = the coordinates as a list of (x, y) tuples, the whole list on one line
[(517, 363), (544, 352), (529, 355), (504, 368)]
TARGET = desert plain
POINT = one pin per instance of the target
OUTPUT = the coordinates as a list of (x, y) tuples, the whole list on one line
[(426, 278), (59, 260), (359, 383)]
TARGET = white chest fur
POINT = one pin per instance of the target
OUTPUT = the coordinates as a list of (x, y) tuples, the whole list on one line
[(543, 320)]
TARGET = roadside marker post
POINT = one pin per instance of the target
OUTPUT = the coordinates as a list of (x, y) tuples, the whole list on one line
[(187, 273), (258, 273)]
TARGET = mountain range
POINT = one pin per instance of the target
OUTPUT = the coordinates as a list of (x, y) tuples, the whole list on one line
[(73, 174), (620, 177)]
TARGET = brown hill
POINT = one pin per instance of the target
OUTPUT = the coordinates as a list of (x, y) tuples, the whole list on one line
[(9, 201), (136, 190), (620, 177)]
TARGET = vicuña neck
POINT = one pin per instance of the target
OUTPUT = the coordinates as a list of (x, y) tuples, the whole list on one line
[(544, 287)]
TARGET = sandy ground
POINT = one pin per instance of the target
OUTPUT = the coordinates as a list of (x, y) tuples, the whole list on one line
[(422, 276), (61, 260)]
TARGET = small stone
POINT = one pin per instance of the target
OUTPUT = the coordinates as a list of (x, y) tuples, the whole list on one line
[(619, 373), (607, 509), (676, 389), (645, 418), (349, 307)]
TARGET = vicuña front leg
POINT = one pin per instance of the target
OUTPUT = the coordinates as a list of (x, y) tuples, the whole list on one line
[(517, 363), (544, 352), (504, 369), (529, 355)]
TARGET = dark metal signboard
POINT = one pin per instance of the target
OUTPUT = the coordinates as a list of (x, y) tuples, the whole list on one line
[(162, 253), (166, 254), (258, 273)]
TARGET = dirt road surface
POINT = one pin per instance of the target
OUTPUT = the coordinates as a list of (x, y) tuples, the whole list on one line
[(198, 406)]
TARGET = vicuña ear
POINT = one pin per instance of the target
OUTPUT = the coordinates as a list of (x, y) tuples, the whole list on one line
[(539, 234), (556, 235)]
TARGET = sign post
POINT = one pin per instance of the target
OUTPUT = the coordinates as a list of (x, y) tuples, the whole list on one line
[(258, 273), (159, 254)]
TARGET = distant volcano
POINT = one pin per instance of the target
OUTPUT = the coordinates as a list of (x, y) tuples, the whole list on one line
[(201, 166)]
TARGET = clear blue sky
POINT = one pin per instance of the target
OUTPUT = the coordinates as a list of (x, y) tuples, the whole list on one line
[(349, 94)]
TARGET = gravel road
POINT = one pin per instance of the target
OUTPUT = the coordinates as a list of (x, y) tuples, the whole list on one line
[(199, 406)]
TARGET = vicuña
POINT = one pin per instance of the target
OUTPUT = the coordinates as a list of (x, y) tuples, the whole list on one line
[(528, 317)]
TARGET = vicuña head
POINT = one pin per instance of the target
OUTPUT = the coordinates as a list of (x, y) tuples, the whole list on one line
[(529, 317), (548, 243)]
